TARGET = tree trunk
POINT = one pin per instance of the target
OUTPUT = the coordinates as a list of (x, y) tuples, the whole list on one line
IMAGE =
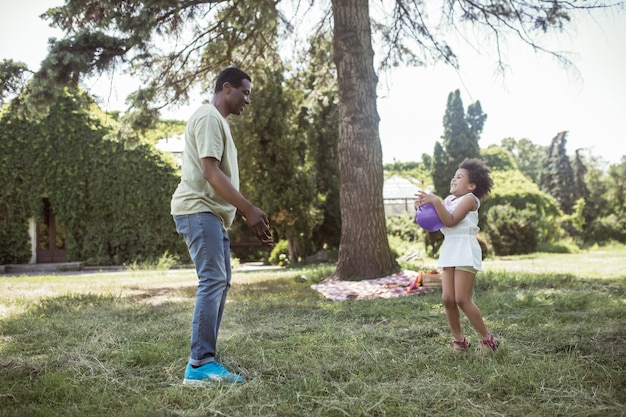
[(364, 248), (293, 249)]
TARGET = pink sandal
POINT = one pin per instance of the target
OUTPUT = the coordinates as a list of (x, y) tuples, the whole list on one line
[(490, 342), (462, 345)]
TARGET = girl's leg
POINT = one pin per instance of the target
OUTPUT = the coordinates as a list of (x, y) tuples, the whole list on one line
[(448, 284), (463, 287)]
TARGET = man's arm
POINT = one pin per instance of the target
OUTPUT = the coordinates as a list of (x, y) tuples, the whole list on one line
[(255, 217)]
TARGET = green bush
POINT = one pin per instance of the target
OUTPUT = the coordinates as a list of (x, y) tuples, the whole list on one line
[(563, 246), (403, 227), (280, 253), (15, 247), (512, 231), (605, 230), (513, 189), (114, 202), (484, 246)]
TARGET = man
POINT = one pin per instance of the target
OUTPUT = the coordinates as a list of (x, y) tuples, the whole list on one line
[(204, 206)]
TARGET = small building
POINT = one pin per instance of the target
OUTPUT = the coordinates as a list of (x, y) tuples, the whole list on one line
[(175, 146), (399, 195)]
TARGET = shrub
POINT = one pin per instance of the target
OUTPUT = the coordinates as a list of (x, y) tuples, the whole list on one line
[(403, 227), (484, 246), (280, 253), (113, 202), (605, 230), (15, 246), (563, 246), (512, 231), (513, 189)]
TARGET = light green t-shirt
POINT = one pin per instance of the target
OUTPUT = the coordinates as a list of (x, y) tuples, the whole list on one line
[(207, 135)]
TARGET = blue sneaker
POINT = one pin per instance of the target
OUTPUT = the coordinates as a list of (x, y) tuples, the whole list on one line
[(210, 372)]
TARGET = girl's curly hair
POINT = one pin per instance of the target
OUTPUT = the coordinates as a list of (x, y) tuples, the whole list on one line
[(479, 175)]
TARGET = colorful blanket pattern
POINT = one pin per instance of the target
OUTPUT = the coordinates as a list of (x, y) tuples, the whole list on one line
[(391, 286)]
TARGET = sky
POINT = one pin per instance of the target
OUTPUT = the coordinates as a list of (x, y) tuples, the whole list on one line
[(535, 98)]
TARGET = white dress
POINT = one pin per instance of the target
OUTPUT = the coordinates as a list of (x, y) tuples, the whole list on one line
[(460, 246)]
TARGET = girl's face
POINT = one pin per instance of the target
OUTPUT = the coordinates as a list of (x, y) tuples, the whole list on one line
[(460, 184)]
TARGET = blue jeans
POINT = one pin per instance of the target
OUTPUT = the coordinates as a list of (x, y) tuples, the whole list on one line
[(209, 248)]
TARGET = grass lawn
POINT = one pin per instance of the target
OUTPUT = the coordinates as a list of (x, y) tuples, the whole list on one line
[(116, 343)]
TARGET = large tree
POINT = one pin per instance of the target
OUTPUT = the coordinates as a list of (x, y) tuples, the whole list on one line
[(103, 33), (363, 250)]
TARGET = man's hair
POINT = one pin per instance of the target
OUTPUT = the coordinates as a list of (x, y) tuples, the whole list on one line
[(231, 75)]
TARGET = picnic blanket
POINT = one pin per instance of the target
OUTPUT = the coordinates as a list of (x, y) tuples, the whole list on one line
[(391, 286)]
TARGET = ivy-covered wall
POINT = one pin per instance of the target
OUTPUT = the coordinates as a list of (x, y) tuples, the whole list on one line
[(113, 202)]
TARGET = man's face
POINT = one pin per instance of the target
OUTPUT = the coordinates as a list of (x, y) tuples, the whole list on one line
[(238, 98)]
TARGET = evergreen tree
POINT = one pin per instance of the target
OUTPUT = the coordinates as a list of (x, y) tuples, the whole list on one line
[(476, 118), (318, 121), (272, 160), (460, 140), (617, 188), (557, 175), (581, 189)]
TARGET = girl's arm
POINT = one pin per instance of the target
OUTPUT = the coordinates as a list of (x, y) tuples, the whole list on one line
[(448, 219)]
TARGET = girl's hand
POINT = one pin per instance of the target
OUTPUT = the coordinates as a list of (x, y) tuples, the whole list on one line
[(424, 198)]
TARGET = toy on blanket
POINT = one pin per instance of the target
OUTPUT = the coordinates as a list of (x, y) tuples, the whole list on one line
[(431, 278)]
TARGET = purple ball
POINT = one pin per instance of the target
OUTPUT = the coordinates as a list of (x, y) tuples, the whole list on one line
[(427, 218)]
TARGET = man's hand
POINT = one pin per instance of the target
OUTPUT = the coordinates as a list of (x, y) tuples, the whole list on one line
[(259, 226), (262, 231)]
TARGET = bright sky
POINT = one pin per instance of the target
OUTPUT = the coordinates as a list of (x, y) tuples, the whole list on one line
[(535, 99)]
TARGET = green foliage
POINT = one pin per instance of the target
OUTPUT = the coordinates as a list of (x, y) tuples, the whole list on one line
[(422, 171), (11, 78), (513, 189), (581, 191), (513, 231), (557, 175), (497, 158), (220, 33), (317, 120), (280, 253), (15, 248), (273, 160), (562, 246), (403, 227), (67, 60), (459, 141), (528, 156), (164, 129), (288, 151), (163, 263), (604, 230), (576, 219), (113, 202), (617, 188), (485, 247)]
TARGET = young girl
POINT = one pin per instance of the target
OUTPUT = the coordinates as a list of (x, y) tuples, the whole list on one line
[(460, 255)]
